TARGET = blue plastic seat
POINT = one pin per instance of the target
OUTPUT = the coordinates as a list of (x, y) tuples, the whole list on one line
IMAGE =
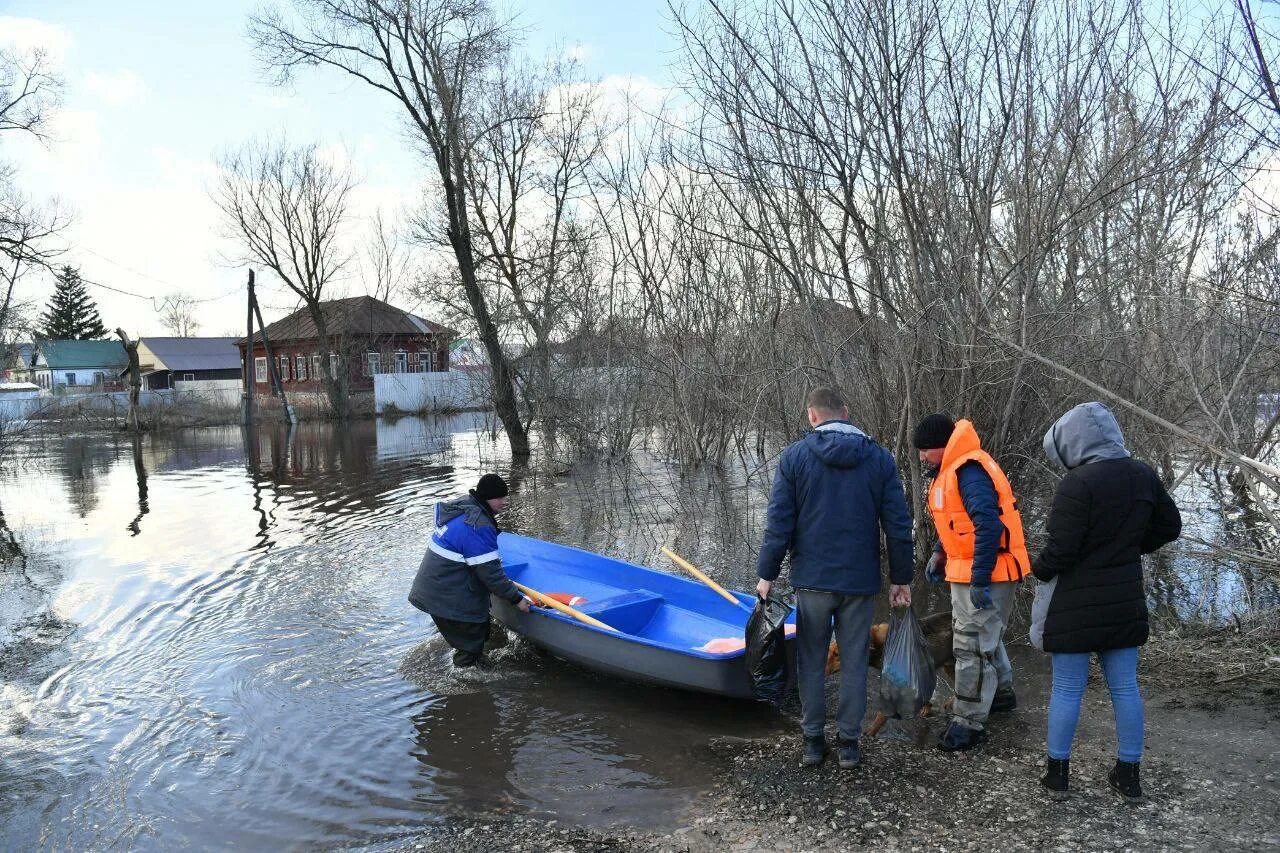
[(629, 612)]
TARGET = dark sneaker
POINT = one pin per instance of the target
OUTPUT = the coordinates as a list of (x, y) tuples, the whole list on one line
[(958, 738), (1123, 779), (1005, 701), (1055, 779), (815, 750), (848, 754)]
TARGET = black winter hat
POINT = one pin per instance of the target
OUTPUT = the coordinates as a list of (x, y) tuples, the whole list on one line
[(933, 433), (491, 486)]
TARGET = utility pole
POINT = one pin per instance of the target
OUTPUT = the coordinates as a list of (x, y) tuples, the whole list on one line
[(272, 371), (250, 365)]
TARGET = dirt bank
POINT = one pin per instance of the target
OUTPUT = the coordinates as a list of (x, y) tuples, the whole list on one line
[(1211, 774)]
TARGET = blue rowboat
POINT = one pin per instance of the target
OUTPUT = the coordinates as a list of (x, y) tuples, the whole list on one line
[(663, 622)]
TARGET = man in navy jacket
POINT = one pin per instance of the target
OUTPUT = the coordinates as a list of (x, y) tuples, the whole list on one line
[(462, 568), (834, 492)]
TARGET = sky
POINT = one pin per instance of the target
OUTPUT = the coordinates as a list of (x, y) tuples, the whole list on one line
[(155, 91)]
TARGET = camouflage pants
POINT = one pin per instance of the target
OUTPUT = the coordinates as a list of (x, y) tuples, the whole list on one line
[(982, 664)]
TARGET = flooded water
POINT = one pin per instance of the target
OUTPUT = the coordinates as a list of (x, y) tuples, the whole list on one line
[(207, 641), (216, 640)]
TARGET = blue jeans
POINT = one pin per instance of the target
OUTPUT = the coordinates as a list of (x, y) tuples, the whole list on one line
[(1071, 676)]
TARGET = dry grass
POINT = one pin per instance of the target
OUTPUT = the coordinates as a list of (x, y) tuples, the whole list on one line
[(1240, 657)]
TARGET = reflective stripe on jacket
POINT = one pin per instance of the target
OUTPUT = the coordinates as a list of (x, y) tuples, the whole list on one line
[(462, 568), (955, 528)]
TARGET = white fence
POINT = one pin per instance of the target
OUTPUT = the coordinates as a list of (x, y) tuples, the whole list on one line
[(116, 403), (455, 390)]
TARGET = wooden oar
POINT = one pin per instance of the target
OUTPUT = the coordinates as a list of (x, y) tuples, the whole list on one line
[(547, 601), (693, 570)]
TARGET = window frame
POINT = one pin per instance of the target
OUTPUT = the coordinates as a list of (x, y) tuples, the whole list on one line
[(260, 369)]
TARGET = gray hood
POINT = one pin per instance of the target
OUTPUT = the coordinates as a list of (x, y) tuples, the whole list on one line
[(1087, 433)]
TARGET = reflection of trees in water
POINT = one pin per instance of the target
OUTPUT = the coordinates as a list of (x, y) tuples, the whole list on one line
[(140, 473), (325, 471), (628, 509), (82, 460)]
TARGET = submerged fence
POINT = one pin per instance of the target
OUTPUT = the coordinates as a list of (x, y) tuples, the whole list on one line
[(451, 391)]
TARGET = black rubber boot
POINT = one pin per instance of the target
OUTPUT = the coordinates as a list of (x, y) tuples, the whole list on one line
[(1006, 700), (849, 754), (958, 738), (815, 750), (1056, 778), (1123, 779)]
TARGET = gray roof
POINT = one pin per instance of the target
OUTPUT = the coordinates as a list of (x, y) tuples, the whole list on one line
[(20, 355), (194, 353)]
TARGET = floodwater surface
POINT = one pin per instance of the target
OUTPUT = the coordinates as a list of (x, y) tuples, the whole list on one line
[(205, 640), (210, 645)]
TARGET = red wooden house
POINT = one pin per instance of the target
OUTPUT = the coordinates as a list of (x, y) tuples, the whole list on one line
[(376, 338)]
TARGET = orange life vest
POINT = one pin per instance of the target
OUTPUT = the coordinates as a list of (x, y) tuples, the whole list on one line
[(955, 528)]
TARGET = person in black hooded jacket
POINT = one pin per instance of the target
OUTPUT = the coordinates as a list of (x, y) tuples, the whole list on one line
[(1108, 511)]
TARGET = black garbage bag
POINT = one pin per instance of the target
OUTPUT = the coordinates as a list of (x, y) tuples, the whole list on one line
[(767, 649), (907, 676)]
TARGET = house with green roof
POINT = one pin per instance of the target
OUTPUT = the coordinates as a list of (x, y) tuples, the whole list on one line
[(78, 365)]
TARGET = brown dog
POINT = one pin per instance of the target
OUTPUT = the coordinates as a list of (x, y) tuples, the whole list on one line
[(936, 628)]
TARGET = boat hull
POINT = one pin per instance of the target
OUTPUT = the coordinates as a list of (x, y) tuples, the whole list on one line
[(693, 613)]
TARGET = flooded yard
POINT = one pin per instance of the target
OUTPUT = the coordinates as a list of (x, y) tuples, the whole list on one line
[(204, 630), (207, 642)]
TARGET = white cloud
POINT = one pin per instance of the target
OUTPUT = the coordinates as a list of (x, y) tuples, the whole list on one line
[(31, 34), (115, 87)]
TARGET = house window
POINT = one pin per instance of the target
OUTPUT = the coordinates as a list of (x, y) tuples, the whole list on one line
[(71, 379), (428, 362), (315, 365), (260, 369), (188, 377), (99, 378), (282, 366), (402, 361), (372, 363), (333, 363), (300, 367)]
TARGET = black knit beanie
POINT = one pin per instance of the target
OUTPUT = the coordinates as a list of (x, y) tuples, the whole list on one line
[(491, 486), (933, 433)]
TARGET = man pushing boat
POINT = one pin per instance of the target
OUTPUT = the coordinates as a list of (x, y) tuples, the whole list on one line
[(834, 492), (462, 567)]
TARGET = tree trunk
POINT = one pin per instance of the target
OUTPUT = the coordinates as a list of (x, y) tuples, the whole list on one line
[(135, 381), (504, 392), (336, 390)]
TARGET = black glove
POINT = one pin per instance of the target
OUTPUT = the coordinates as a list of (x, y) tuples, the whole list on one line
[(935, 571), (980, 596)]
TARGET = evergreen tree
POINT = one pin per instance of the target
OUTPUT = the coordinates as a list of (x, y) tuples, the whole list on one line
[(72, 314)]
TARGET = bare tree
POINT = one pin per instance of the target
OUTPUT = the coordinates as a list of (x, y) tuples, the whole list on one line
[(29, 96), (431, 58), (387, 261), (178, 315), (287, 208)]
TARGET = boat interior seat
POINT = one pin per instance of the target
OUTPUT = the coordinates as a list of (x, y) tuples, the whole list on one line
[(629, 612)]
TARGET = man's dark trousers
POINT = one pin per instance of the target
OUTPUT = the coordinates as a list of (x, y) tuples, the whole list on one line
[(466, 638), (815, 614)]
